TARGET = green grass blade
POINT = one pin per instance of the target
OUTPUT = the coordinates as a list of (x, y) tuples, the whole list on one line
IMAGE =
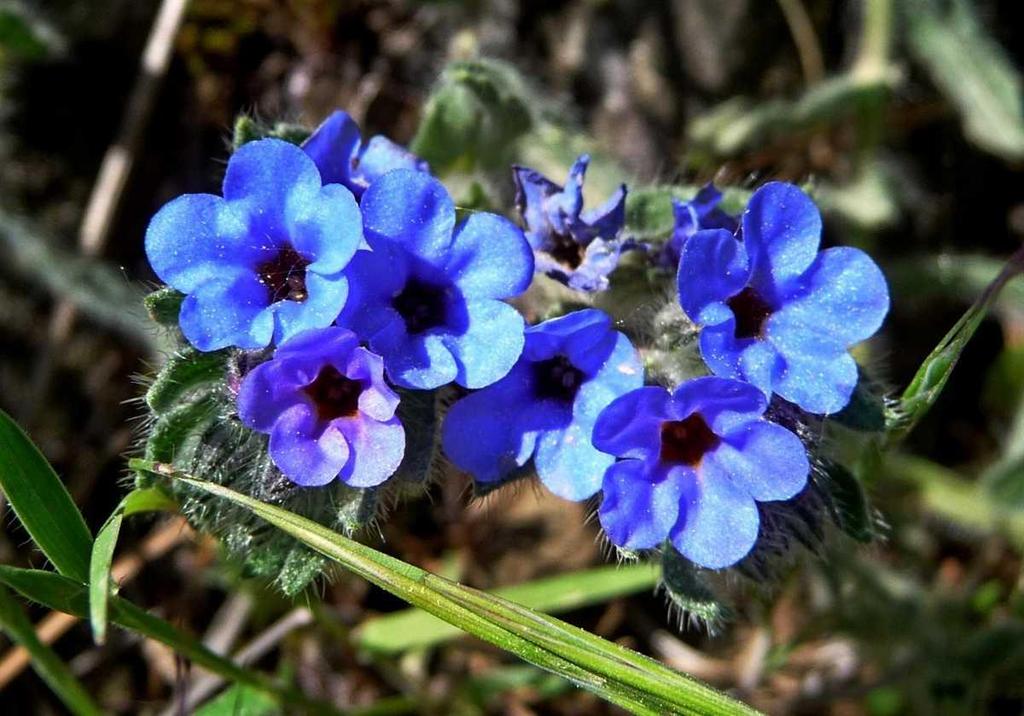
[(42, 503), (936, 369), (416, 629), (99, 574), (150, 499), (55, 591), (46, 663), (615, 673)]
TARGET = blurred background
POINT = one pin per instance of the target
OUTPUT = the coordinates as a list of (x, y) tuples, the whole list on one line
[(905, 118)]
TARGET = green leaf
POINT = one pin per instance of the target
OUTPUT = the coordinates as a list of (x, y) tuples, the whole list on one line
[(164, 305), (42, 503), (687, 591), (474, 116), (615, 673), (140, 500), (22, 36), (45, 662), (240, 700), (183, 374), (865, 411), (973, 72), (416, 629), (934, 372), (739, 125), (66, 595), (849, 506)]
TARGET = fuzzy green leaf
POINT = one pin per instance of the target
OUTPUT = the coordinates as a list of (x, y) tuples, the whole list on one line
[(849, 505), (474, 116), (47, 664), (164, 305), (42, 503), (687, 590), (183, 374)]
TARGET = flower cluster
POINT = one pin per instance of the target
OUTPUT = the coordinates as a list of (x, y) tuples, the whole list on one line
[(347, 260)]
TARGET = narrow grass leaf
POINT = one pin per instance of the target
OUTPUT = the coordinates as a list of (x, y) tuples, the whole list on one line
[(936, 369), (416, 629), (46, 663), (42, 503), (149, 499), (619, 675)]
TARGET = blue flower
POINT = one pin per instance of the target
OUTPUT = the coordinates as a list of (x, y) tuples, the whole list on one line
[(428, 295), (777, 313), (545, 408), (323, 401), (694, 463), (343, 158), (578, 248), (265, 261), (700, 212)]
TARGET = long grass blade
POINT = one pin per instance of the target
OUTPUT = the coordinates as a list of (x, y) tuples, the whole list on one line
[(47, 664), (42, 503)]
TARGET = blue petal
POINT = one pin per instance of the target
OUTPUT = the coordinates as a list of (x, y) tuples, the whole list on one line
[(226, 313), (326, 296), (268, 175), (413, 210), (422, 361), (599, 260), (568, 464), (631, 425), (325, 345), (606, 220), (326, 227), (754, 361), (621, 372), (490, 258), (375, 449), (639, 509), (380, 156), (375, 278), (841, 300), (306, 457), (724, 404), (569, 201), (195, 238), (333, 146), (782, 230), (818, 384), (532, 192), (482, 432), (764, 459), (377, 400), (490, 345), (720, 522), (585, 337), (713, 267), (266, 392)]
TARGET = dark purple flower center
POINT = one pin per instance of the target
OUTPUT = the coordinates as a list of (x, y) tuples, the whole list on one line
[(285, 276), (557, 378), (751, 312), (566, 251), (422, 305), (685, 442), (335, 395)]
